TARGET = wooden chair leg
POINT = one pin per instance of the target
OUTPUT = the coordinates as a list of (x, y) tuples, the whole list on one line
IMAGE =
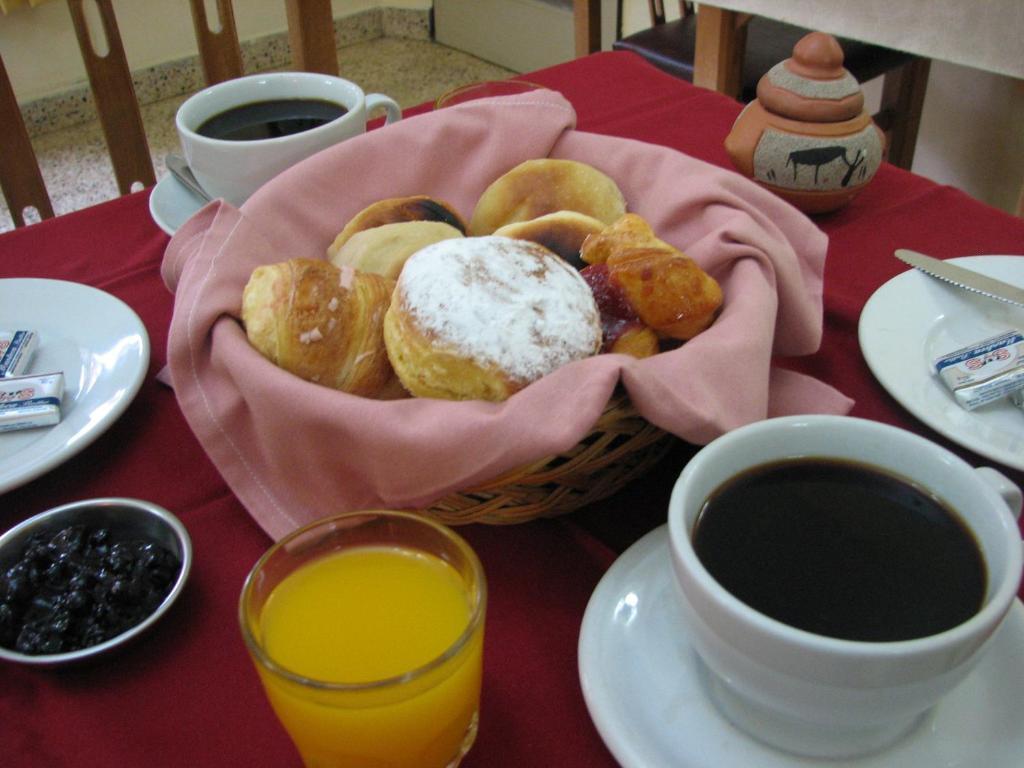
[(311, 34), (586, 19), (20, 178), (114, 93), (656, 8), (899, 115), (219, 51), (720, 46)]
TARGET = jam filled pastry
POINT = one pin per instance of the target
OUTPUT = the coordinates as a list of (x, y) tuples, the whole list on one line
[(637, 276)]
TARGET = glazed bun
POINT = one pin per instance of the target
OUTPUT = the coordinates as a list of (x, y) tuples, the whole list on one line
[(563, 233), (397, 209), (321, 323), (384, 249), (481, 318), (539, 187)]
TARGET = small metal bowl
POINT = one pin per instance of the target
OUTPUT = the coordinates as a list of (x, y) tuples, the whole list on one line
[(127, 517)]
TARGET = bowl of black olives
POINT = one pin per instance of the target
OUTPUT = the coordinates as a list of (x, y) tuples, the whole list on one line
[(82, 579)]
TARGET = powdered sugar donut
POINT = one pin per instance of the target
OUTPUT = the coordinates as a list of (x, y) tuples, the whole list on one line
[(480, 318)]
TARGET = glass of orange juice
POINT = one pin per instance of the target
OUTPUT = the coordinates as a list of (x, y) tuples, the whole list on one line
[(367, 632)]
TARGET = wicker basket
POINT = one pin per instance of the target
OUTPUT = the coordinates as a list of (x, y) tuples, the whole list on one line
[(621, 446)]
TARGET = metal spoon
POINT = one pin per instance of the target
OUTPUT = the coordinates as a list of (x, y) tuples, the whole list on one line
[(179, 169)]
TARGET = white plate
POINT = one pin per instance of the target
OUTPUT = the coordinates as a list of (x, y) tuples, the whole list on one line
[(914, 319), (171, 204), (646, 691), (101, 346)]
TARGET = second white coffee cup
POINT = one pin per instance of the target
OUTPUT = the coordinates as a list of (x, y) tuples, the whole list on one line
[(233, 170), (823, 696)]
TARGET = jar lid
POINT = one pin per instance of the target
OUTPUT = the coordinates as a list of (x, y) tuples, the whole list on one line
[(812, 85)]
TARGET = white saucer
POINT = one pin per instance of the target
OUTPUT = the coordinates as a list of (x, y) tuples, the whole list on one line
[(171, 204), (914, 319), (101, 346), (646, 691)]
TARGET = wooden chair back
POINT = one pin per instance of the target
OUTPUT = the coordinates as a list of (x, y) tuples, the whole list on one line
[(656, 10), (20, 178), (110, 81)]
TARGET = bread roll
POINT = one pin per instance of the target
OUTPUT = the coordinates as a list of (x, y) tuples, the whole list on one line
[(539, 187), (397, 209), (322, 323), (480, 318), (562, 233), (384, 249)]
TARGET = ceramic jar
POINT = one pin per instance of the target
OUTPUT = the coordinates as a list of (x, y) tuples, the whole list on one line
[(806, 137)]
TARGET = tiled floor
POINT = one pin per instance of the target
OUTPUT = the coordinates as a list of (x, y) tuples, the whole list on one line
[(77, 170)]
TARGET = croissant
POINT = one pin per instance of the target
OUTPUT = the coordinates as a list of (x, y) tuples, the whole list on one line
[(322, 323), (667, 290)]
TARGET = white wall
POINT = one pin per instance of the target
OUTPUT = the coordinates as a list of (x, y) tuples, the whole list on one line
[(522, 35), (41, 54), (972, 133)]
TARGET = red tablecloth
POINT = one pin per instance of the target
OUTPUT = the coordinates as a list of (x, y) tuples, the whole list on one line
[(186, 695)]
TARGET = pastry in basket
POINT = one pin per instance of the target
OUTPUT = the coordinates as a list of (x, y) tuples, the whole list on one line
[(561, 232), (322, 323), (622, 329), (384, 249), (395, 209), (635, 275), (538, 187), (479, 318), (630, 337)]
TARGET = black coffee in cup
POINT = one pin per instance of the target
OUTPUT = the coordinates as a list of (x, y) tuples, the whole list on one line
[(270, 119), (841, 549)]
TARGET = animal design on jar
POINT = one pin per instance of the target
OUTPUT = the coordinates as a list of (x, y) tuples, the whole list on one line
[(806, 137)]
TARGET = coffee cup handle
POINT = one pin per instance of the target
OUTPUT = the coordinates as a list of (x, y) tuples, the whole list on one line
[(1004, 487), (391, 108)]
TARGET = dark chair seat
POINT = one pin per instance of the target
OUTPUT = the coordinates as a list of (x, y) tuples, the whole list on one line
[(671, 46)]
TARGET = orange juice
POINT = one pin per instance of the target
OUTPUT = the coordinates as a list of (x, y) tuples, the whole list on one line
[(365, 615)]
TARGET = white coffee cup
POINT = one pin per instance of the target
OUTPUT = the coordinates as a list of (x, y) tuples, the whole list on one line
[(822, 696), (233, 170)]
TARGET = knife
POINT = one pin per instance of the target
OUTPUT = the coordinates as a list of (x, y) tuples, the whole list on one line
[(963, 278)]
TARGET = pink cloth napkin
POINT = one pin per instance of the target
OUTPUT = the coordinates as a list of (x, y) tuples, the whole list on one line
[(293, 451)]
